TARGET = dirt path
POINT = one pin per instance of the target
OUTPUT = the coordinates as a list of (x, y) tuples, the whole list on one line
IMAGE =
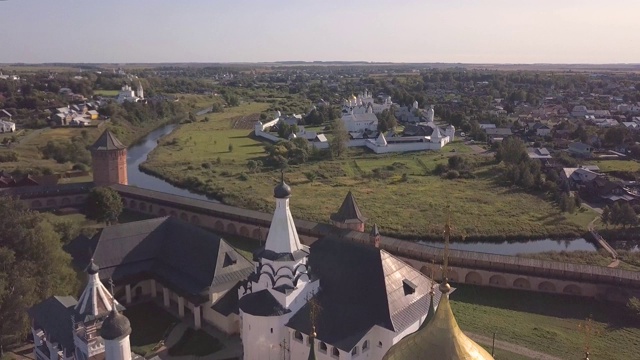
[(516, 349)]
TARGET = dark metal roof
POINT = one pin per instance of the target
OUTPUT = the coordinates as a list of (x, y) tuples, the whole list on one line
[(361, 287), (53, 315), (349, 211), (262, 303), (228, 303), (183, 256), (107, 141), (282, 190), (115, 326), (262, 253), (26, 192)]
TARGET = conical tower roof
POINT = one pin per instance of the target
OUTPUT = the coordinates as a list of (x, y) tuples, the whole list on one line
[(441, 338), (95, 301), (375, 231), (349, 211), (107, 141)]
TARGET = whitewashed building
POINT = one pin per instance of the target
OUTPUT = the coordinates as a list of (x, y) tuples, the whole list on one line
[(7, 126), (128, 94)]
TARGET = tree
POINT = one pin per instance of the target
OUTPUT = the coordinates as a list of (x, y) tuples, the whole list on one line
[(338, 142), (606, 215), (628, 216), (104, 205), (615, 135), (511, 151), (387, 120), (33, 267)]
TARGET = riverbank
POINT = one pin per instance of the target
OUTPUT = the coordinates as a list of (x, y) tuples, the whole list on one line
[(211, 158)]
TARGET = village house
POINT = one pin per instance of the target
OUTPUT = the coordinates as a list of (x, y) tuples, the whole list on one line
[(579, 149), (576, 177), (539, 153), (498, 134)]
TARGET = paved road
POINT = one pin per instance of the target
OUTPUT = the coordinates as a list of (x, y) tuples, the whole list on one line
[(516, 349)]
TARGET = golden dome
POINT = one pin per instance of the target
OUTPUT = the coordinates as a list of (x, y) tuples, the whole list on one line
[(439, 339)]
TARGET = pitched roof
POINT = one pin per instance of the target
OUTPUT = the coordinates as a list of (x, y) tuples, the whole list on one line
[(349, 211), (53, 315), (361, 286), (262, 303), (183, 256), (107, 141)]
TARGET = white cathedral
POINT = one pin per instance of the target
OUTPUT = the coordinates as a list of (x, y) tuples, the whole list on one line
[(127, 94), (368, 299)]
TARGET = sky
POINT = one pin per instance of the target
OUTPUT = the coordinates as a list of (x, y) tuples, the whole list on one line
[(450, 31)]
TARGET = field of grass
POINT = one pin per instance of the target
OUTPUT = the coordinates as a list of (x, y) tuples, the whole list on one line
[(616, 165), (150, 325), (29, 155), (547, 323), (196, 343), (111, 93), (197, 156)]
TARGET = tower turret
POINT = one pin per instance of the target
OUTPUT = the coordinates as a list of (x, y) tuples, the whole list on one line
[(349, 215), (115, 332), (109, 158), (374, 236), (140, 91)]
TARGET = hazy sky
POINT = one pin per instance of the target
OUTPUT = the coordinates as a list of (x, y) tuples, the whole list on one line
[(469, 31)]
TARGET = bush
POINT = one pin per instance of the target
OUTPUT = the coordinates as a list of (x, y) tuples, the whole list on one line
[(80, 167), (9, 157), (633, 305), (452, 174), (206, 166), (440, 169), (243, 177)]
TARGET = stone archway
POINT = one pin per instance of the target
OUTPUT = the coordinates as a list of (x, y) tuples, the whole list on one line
[(473, 277), (547, 286), (36, 204), (219, 226), (184, 217), (66, 201), (452, 275), (133, 204), (162, 212), (173, 214), (521, 283), (143, 206), (231, 229), (195, 220), (256, 234), (52, 203), (572, 289), (79, 199), (244, 231), (498, 280)]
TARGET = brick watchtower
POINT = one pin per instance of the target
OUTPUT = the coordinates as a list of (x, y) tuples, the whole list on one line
[(109, 160)]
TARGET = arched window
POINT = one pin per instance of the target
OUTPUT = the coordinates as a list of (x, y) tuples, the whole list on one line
[(354, 351), (335, 352), (365, 345), (298, 336), (323, 347), (379, 344)]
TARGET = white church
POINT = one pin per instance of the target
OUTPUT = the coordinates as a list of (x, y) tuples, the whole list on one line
[(128, 94)]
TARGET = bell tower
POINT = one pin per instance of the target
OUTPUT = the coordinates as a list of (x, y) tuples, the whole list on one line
[(109, 158)]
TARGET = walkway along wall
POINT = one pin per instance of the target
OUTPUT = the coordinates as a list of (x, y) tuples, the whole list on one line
[(467, 267)]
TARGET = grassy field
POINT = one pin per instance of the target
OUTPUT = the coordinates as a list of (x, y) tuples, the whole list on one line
[(547, 323), (197, 156), (150, 325), (111, 93), (616, 165), (29, 155)]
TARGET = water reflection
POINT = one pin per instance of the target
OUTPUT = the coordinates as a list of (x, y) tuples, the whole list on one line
[(514, 248), (138, 153)]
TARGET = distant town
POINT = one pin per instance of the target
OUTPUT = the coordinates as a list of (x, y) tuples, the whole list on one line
[(165, 195)]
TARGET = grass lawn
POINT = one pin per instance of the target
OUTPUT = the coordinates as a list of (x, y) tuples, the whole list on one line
[(616, 165), (113, 93), (547, 323), (29, 155), (149, 324), (197, 343), (481, 206)]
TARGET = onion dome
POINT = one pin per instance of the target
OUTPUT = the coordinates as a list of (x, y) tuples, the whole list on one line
[(282, 190), (115, 326), (92, 269), (440, 338)]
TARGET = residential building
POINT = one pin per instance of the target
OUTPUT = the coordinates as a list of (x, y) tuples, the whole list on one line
[(579, 149), (539, 153)]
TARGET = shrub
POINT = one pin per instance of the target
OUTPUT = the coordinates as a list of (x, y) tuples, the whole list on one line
[(206, 166), (440, 169), (633, 305), (230, 147), (80, 167), (9, 157), (452, 174), (243, 177)]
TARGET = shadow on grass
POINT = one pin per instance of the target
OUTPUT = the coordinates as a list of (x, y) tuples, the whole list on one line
[(554, 305)]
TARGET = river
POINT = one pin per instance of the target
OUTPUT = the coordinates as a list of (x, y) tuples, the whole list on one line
[(138, 153)]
